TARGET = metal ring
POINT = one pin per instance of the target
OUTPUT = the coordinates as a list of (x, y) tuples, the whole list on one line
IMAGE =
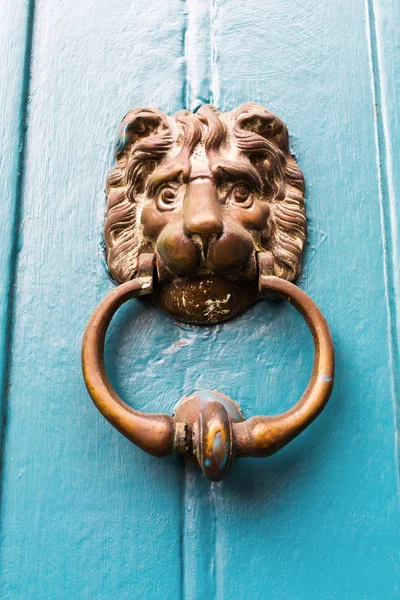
[(161, 434), (262, 436), (153, 433)]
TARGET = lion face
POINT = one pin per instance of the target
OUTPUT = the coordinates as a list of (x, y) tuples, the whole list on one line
[(204, 193)]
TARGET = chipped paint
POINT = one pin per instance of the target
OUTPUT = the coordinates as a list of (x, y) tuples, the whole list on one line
[(326, 378), (215, 307)]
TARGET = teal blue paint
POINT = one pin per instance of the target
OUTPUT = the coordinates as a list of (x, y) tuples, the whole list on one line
[(206, 395), (226, 454), (383, 37), (216, 448), (85, 514), (331, 497), (326, 378), (217, 442), (223, 461), (16, 46)]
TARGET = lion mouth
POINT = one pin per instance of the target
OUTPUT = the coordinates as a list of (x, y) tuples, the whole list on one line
[(205, 299)]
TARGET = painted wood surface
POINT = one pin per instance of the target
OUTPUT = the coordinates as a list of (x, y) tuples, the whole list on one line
[(16, 20), (84, 513)]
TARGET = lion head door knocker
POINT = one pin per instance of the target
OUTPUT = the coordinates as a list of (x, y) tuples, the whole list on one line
[(206, 213)]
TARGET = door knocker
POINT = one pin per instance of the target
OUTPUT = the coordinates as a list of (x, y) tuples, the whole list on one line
[(206, 213)]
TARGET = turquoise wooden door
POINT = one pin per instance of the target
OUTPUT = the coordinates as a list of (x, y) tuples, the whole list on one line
[(86, 515)]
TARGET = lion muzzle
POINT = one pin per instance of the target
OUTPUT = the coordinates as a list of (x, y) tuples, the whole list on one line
[(204, 193)]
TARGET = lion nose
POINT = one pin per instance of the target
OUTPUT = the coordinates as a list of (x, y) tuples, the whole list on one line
[(202, 210)]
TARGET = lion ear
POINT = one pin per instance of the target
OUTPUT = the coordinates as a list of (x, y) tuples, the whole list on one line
[(139, 123), (255, 118)]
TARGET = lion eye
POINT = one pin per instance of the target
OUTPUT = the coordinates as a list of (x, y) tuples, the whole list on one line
[(241, 196), (167, 198)]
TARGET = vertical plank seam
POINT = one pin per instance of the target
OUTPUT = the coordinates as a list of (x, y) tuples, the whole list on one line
[(16, 226), (192, 97), (215, 85), (182, 526), (388, 211), (214, 565), (185, 85)]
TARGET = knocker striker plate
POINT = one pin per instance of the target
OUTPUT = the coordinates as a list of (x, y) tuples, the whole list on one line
[(205, 213)]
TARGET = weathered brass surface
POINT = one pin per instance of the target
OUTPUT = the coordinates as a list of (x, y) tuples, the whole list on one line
[(206, 214), (204, 192)]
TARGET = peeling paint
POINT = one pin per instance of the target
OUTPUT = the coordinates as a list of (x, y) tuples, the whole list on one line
[(326, 378), (214, 307)]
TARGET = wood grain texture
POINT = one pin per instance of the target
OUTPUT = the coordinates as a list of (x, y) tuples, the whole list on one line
[(324, 510), (87, 515), (15, 45), (384, 17), (201, 83)]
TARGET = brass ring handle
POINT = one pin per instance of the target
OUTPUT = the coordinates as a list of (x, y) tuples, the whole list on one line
[(263, 436), (207, 426), (153, 433)]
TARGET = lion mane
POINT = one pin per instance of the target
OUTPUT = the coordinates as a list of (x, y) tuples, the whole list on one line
[(148, 137)]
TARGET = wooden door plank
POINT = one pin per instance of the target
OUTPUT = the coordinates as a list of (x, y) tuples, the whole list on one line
[(85, 513), (15, 44), (384, 17), (319, 520)]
